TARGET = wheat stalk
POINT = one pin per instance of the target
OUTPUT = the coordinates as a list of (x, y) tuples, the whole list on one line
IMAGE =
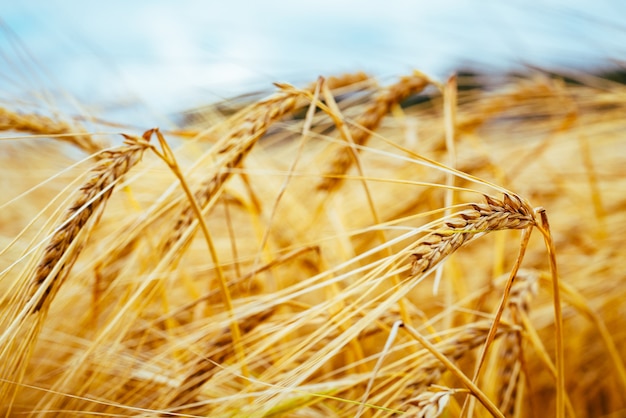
[(369, 121), (430, 370), (471, 386), (522, 291), (423, 369)]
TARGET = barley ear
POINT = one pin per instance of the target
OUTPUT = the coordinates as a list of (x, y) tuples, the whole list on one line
[(494, 215), (42, 125), (92, 199)]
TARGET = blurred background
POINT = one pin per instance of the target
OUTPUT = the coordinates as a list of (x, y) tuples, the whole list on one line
[(169, 56)]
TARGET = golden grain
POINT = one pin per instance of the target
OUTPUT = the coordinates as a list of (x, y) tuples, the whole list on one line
[(494, 215), (42, 125), (93, 195)]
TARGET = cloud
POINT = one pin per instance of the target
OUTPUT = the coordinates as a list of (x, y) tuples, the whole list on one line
[(160, 48)]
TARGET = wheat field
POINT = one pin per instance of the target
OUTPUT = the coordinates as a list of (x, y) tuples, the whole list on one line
[(352, 248)]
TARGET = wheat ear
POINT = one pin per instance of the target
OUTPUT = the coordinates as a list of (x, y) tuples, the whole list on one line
[(20, 336), (427, 404), (93, 196), (454, 232), (237, 144), (234, 148), (42, 125)]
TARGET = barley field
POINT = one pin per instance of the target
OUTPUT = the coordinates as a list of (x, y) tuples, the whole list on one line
[(354, 247)]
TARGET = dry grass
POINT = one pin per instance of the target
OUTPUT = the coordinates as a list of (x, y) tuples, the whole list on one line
[(326, 213)]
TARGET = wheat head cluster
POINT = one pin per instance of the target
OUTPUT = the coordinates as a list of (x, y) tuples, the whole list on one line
[(351, 248)]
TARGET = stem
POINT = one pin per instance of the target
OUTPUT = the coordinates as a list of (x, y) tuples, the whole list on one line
[(496, 321), (493, 409), (558, 318), (168, 157), (333, 111)]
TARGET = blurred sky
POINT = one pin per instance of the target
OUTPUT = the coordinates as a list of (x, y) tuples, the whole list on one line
[(173, 55)]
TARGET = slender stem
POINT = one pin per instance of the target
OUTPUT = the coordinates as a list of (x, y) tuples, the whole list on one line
[(558, 318), (392, 336), (333, 111), (168, 157), (576, 299), (491, 407), (496, 321)]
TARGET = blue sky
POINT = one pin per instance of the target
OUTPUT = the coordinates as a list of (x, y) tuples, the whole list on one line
[(173, 55)]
